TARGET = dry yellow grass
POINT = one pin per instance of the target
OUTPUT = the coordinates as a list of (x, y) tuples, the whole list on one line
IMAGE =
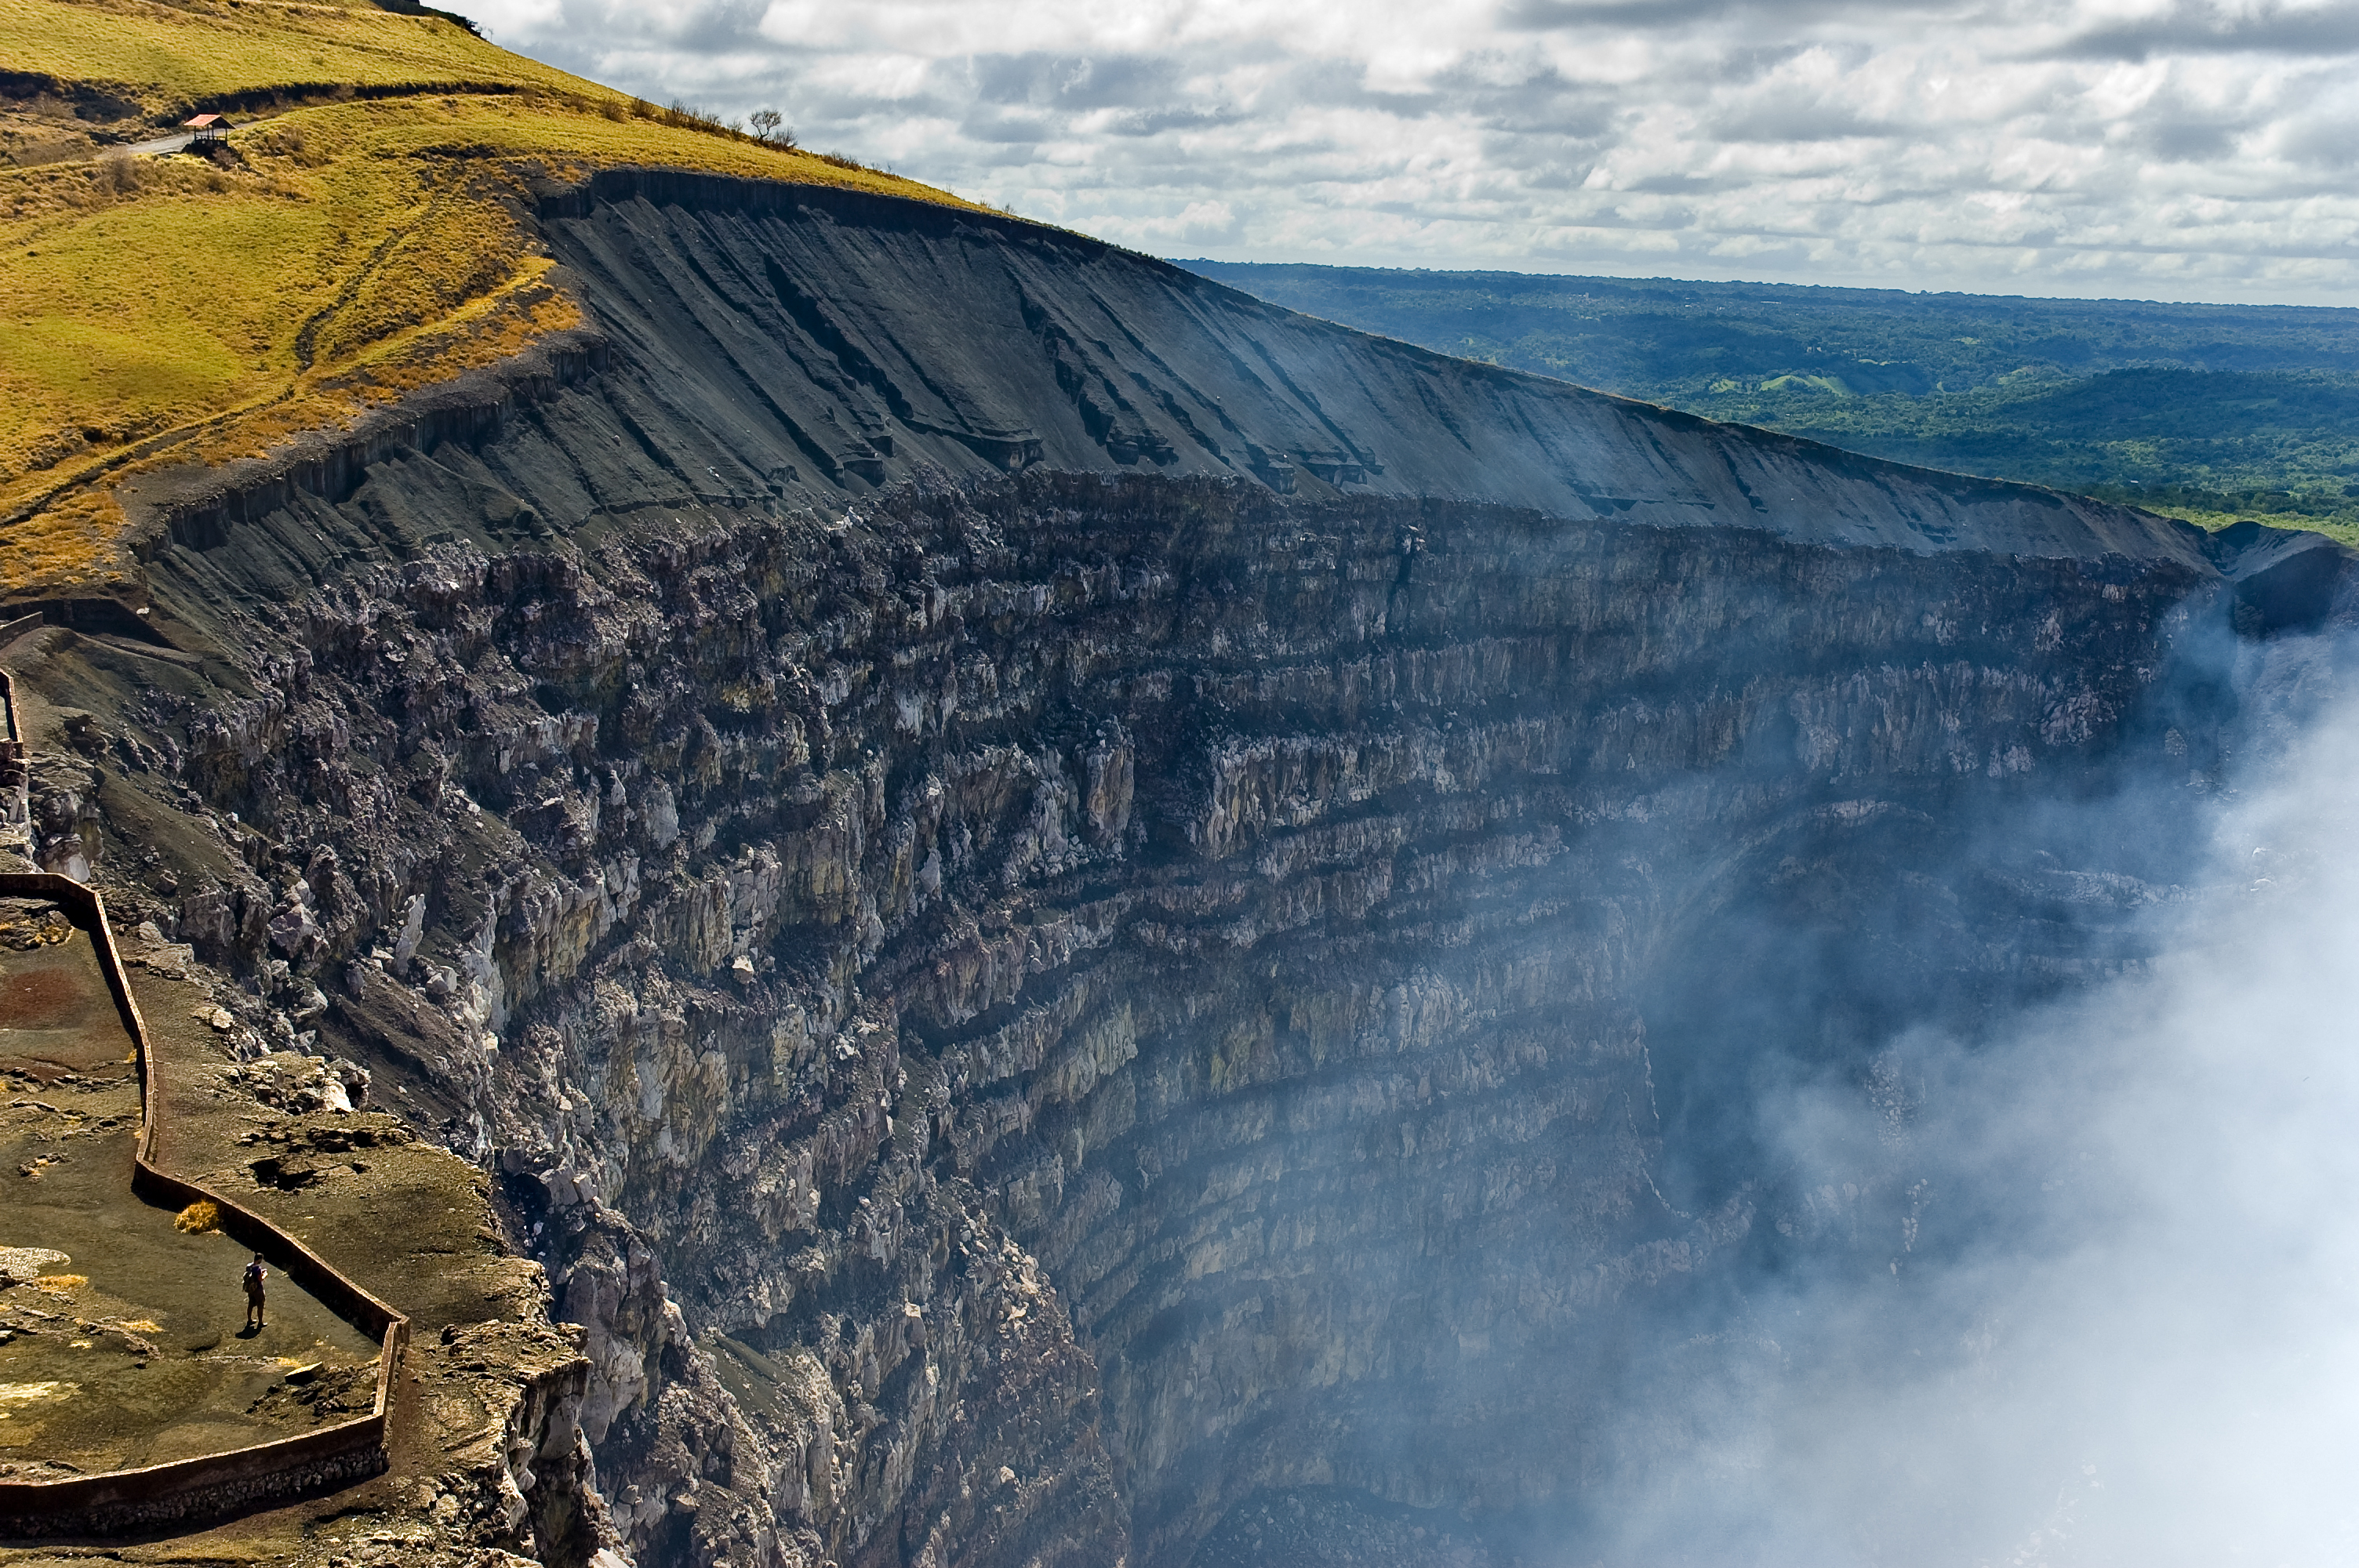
[(354, 247), (198, 1218), (2342, 532), (199, 50)]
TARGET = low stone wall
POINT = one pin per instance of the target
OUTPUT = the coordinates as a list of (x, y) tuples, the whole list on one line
[(16, 762), (192, 1492)]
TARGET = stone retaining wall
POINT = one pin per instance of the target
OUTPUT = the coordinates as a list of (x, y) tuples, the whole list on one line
[(192, 1492), (15, 763)]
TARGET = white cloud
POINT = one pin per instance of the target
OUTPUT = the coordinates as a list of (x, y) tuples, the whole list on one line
[(1200, 224), (2120, 1319), (2183, 148)]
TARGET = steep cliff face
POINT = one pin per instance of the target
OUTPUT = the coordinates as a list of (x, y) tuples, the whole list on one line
[(822, 337), (1024, 1010)]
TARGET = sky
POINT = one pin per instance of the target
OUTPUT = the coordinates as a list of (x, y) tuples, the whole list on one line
[(2171, 149)]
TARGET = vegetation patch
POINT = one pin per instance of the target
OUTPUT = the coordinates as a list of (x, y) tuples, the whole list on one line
[(171, 57), (363, 238), (2209, 413)]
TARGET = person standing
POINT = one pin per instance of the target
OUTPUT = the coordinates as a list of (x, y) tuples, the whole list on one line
[(255, 1275)]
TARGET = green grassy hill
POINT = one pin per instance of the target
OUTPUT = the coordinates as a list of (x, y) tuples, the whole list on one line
[(358, 238), (2206, 412)]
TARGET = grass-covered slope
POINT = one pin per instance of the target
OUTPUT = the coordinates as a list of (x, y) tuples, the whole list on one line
[(358, 238), (2206, 412), (165, 56)]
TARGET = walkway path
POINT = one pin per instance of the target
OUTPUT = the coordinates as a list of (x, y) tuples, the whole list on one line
[(127, 1350), (174, 1432)]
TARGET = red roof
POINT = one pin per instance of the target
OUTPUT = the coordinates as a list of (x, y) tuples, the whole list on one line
[(203, 120)]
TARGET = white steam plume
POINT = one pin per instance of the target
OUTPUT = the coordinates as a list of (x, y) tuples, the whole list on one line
[(2139, 1343)]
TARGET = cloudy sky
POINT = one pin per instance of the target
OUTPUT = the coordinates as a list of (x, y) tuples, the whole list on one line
[(2156, 149)]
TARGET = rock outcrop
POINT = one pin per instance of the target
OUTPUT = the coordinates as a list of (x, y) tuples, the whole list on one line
[(1064, 903)]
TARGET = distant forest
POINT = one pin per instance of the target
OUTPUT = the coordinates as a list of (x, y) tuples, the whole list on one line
[(2207, 412)]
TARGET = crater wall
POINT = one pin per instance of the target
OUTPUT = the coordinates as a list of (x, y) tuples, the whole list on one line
[(1064, 900)]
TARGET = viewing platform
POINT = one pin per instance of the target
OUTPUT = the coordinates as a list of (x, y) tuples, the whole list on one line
[(134, 1392), (122, 1337)]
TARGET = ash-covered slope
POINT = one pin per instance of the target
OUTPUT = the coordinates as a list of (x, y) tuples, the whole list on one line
[(1027, 1014), (874, 336)]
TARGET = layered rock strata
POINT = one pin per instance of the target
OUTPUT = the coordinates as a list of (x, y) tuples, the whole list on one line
[(1020, 1013)]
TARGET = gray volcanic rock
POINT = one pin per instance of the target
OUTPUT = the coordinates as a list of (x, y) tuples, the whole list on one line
[(846, 338), (1024, 1012), (22, 1265)]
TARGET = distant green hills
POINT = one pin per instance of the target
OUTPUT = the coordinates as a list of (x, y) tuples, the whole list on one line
[(2207, 412)]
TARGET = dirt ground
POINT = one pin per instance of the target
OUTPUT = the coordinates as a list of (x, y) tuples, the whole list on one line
[(131, 1347), (394, 1211)]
